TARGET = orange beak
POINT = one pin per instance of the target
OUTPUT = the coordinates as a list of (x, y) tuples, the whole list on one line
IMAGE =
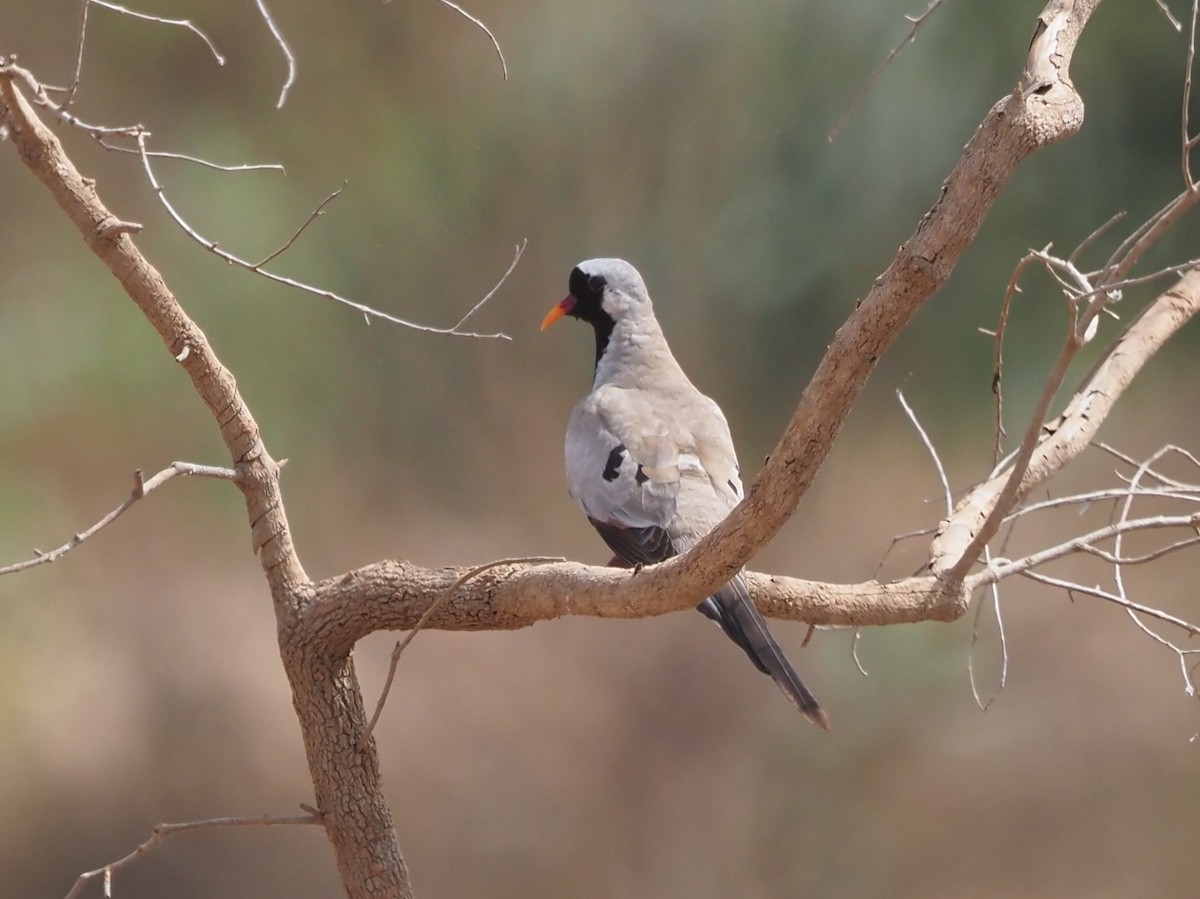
[(567, 304)]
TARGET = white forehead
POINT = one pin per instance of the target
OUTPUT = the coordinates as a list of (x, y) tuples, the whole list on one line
[(618, 274)]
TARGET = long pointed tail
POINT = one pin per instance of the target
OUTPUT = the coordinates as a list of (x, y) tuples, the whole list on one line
[(732, 608)]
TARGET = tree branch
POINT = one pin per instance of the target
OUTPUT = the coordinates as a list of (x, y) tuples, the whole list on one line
[(141, 487), (163, 832), (343, 765), (1070, 433), (1044, 108)]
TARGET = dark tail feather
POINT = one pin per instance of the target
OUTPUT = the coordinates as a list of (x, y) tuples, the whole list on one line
[(732, 608)]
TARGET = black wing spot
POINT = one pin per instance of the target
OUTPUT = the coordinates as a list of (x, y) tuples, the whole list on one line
[(613, 466), (732, 486), (640, 476)]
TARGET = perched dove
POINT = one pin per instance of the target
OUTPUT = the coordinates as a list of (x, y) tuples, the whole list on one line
[(650, 459)]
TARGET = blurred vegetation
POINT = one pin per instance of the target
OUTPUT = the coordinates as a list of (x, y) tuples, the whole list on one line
[(138, 677)]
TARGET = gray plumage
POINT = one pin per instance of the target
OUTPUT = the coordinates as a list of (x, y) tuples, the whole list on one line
[(650, 459)]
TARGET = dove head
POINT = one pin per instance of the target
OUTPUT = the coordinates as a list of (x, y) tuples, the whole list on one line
[(605, 293)]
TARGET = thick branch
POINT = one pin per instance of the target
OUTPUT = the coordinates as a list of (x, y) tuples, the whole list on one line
[(342, 759), (394, 595), (1044, 108), (258, 473)]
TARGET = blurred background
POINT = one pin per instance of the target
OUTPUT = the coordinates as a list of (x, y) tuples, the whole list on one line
[(139, 676)]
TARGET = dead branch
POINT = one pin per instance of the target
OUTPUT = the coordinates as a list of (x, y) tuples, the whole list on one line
[(916, 23), (930, 448), (139, 134), (994, 591), (1044, 108), (478, 23), (286, 50), (163, 832), (1059, 441), (83, 20), (257, 268), (999, 569), (141, 487)]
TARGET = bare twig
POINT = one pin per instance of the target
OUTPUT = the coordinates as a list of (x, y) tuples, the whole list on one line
[(287, 52), (1013, 288), (1119, 568), (1188, 142), (1161, 478), (312, 217), (164, 831), (995, 591), (445, 597), (1082, 246), (921, 532), (257, 268), (1135, 246), (83, 18), (141, 487), (1071, 586), (102, 133), (917, 22), (937, 461), (479, 23), (1166, 11), (1000, 568), (74, 85), (517, 251), (206, 163), (1120, 561), (1191, 494), (854, 641)]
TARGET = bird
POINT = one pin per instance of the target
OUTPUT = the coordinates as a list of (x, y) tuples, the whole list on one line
[(650, 459)]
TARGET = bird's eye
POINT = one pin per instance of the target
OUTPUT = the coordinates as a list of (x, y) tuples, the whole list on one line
[(596, 283)]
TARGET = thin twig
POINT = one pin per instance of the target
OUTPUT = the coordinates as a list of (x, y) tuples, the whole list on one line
[(74, 85), (141, 487), (1119, 567), (854, 652), (1013, 288), (206, 163), (1091, 238), (312, 217), (937, 461), (1131, 250), (995, 591), (923, 532), (1166, 11), (518, 250), (145, 17), (287, 52), (164, 831), (917, 23), (42, 98), (1161, 478), (1120, 561), (478, 22), (1188, 141), (257, 268), (440, 601), (1001, 568), (1124, 602), (1098, 496)]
